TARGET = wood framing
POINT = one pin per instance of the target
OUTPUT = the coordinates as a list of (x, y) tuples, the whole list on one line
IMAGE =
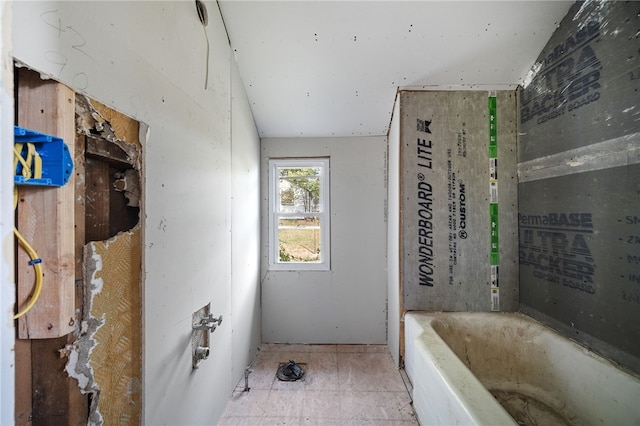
[(46, 218), (46, 215), (97, 200), (98, 209)]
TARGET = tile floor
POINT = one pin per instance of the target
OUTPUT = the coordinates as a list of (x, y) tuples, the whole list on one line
[(344, 385)]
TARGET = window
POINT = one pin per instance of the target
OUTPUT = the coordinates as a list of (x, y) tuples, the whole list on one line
[(299, 214)]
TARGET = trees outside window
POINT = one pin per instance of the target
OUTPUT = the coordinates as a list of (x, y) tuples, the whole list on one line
[(299, 218)]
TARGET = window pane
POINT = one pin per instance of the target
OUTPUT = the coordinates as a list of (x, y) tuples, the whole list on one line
[(299, 214), (299, 190), (299, 239)]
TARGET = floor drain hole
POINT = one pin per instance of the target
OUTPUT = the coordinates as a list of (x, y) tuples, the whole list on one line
[(290, 371)]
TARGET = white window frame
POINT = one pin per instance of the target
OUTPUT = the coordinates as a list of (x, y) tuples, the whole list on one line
[(274, 215)]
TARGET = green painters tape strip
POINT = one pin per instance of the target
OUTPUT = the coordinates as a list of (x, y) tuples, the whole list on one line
[(495, 248), (493, 127), (493, 153), (493, 102), (493, 206), (493, 211)]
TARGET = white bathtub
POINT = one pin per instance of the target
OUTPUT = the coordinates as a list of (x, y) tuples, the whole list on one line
[(461, 364)]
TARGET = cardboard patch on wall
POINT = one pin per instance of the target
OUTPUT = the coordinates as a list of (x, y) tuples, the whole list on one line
[(445, 201)]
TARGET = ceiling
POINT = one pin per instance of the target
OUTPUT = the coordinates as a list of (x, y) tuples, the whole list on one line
[(332, 68)]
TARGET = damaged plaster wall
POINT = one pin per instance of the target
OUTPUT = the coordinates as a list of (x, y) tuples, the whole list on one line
[(116, 359), (106, 358), (148, 60)]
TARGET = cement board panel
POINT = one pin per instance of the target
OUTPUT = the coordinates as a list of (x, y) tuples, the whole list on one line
[(445, 226), (507, 119), (585, 83), (580, 253)]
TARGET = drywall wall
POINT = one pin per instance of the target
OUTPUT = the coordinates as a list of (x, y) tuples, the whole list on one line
[(454, 255), (7, 278), (579, 181), (149, 61), (348, 303), (393, 234), (246, 314)]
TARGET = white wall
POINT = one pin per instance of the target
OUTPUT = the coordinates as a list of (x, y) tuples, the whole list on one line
[(7, 281), (245, 224), (393, 236), (348, 303), (147, 60)]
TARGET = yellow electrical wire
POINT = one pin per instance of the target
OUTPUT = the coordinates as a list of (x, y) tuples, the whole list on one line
[(35, 262)]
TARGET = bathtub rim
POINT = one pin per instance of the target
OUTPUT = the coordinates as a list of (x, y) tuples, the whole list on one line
[(425, 321), (478, 404), (554, 326)]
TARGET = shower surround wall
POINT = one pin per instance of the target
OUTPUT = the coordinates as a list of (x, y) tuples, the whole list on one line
[(445, 193), (579, 181), (200, 233)]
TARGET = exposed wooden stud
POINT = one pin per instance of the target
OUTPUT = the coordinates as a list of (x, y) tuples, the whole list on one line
[(23, 389), (51, 385), (107, 151), (77, 401), (97, 187), (79, 206), (46, 215)]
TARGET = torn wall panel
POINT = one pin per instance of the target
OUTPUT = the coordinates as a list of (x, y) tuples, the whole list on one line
[(113, 160), (116, 359), (106, 359), (124, 128), (94, 118)]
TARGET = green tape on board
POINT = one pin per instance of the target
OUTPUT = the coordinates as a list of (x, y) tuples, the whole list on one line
[(495, 247), (493, 127), (493, 204)]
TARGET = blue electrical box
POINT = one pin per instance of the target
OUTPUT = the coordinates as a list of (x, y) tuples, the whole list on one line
[(57, 164)]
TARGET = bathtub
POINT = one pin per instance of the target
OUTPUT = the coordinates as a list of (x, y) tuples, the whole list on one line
[(508, 369)]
